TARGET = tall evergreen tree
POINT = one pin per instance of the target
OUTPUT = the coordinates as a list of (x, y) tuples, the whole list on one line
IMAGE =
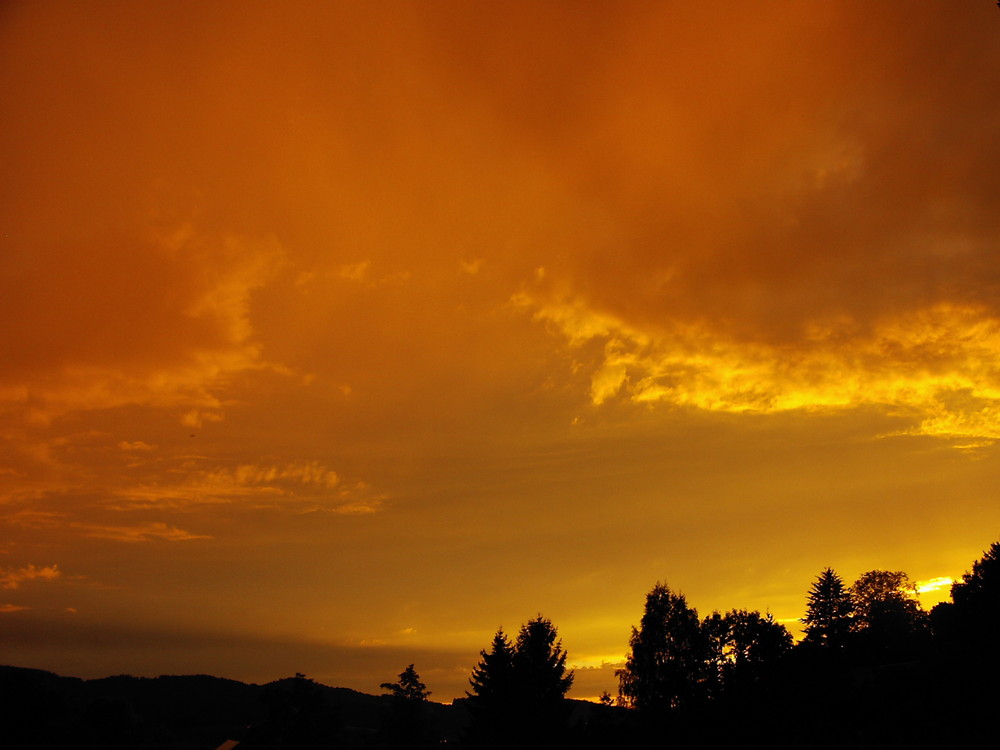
[(518, 690), (829, 613), (541, 682), (668, 662)]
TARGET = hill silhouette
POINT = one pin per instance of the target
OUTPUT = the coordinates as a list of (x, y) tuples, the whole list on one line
[(192, 712), (175, 712)]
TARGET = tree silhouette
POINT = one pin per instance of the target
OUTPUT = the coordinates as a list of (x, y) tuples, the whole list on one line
[(406, 726), (888, 619), (491, 701), (743, 648), (977, 597), (668, 661), (541, 681), (879, 592), (829, 612), (518, 690), (408, 687)]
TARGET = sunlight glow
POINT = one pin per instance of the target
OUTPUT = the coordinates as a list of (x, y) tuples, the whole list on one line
[(934, 584)]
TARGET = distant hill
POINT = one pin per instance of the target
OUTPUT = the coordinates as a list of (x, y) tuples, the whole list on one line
[(189, 712)]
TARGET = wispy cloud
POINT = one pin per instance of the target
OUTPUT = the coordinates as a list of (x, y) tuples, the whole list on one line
[(298, 486), (13, 578), (144, 532)]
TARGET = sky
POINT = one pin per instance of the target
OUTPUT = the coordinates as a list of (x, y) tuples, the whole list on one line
[(336, 336)]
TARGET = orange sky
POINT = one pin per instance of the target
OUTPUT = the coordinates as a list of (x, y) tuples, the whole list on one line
[(337, 335)]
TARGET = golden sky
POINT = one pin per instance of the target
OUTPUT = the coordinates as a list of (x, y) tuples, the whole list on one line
[(337, 335)]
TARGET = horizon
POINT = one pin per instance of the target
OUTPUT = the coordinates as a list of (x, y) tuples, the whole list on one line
[(338, 335)]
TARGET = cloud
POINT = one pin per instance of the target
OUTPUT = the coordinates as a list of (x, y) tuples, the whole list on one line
[(136, 445), (5, 608), (13, 578), (937, 365), (145, 532), (355, 271), (299, 487), (152, 321)]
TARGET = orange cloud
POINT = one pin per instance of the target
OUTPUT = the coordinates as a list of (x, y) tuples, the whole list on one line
[(12, 578), (298, 486), (145, 532), (157, 322)]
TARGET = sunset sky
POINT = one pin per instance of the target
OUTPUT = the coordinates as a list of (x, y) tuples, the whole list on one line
[(335, 336)]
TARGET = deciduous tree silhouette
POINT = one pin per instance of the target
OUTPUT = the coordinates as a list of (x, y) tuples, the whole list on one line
[(829, 613), (744, 647), (889, 622), (668, 662), (977, 598)]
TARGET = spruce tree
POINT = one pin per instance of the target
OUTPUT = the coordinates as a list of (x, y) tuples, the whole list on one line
[(830, 612), (518, 690)]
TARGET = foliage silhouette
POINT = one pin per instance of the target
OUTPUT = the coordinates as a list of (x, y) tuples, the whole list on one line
[(406, 725), (829, 616), (518, 696), (667, 666), (889, 622), (744, 648), (977, 598)]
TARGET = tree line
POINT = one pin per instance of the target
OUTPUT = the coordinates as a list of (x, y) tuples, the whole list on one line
[(870, 657)]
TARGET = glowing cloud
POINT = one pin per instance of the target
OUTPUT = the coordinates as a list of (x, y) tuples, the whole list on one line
[(937, 365), (13, 578)]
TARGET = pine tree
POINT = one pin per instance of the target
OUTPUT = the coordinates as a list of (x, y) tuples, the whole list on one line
[(492, 700), (408, 687), (830, 612), (518, 690), (541, 682)]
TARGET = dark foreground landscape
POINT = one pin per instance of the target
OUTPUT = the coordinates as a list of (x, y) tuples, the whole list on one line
[(874, 670)]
